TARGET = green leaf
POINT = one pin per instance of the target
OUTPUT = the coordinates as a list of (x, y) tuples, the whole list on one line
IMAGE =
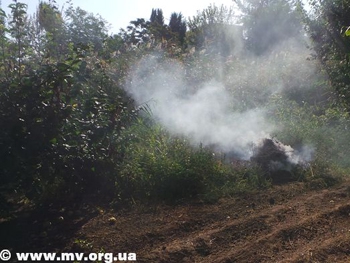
[(2, 13), (347, 32)]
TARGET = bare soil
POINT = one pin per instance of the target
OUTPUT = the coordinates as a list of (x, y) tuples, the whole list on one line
[(287, 223)]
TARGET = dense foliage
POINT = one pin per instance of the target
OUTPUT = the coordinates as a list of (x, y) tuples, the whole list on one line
[(69, 127), (328, 27)]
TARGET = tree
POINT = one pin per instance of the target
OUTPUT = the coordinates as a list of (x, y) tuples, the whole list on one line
[(86, 28), (4, 66), (156, 25), (157, 17), (177, 25), (51, 22), (19, 47), (49, 17), (137, 32), (215, 29), (267, 23), (327, 25), (61, 119)]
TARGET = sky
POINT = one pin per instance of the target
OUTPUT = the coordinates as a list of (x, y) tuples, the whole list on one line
[(120, 12)]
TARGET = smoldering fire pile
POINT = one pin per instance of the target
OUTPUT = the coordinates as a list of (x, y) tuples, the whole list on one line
[(231, 111), (278, 161)]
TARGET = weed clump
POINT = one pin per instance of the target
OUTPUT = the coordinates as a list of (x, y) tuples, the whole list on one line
[(158, 166)]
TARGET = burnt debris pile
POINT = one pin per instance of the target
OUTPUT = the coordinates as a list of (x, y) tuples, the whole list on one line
[(276, 160)]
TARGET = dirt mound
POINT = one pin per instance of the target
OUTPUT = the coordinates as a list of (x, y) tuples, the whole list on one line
[(287, 223)]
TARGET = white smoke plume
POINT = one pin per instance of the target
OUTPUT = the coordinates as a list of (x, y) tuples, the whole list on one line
[(204, 115), (230, 112)]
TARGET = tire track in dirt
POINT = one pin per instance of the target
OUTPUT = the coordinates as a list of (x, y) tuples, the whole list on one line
[(250, 238), (286, 240)]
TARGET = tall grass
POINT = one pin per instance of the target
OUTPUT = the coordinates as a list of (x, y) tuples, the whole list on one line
[(158, 166), (324, 128)]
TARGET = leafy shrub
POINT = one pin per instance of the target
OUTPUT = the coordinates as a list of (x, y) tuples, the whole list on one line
[(162, 167), (321, 128), (61, 130), (158, 166)]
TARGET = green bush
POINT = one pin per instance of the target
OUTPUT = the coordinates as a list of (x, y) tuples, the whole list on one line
[(323, 128), (158, 166)]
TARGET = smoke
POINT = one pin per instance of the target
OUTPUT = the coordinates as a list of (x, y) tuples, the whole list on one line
[(277, 156), (204, 115), (228, 110)]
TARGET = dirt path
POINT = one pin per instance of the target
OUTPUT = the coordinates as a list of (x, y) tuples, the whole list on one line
[(288, 223), (284, 224)]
